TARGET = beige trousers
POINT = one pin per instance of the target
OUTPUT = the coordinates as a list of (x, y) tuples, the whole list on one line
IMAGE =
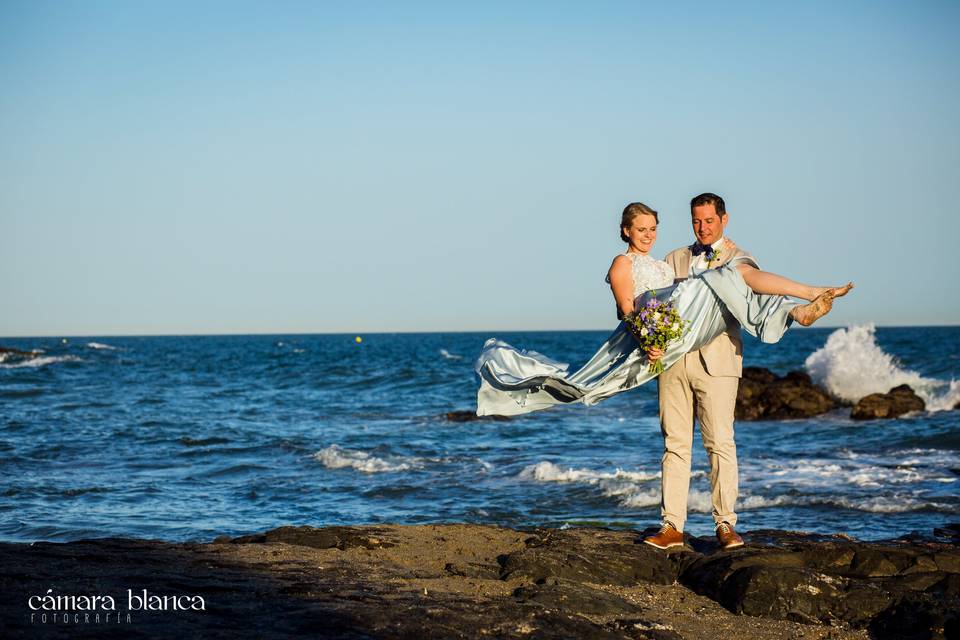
[(688, 391)]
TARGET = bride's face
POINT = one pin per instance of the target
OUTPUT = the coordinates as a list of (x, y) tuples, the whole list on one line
[(642, 232)]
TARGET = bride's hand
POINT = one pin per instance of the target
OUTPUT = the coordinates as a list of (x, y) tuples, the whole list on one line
[(731, 245), (654, 354)]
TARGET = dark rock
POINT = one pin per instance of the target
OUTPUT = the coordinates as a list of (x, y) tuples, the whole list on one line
[(239, 602), (874, 563), (949, 562), (571, 583), (833, 581), (754, 586), (573, 596), (469, 416), (556, 557), (950, 531), (325, 538), (758, 374), (473, 570), (763, 396), (798, 377), (931, 614), (643, 630), (894, 403)]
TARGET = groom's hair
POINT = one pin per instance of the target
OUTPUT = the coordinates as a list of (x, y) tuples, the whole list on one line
[(709, 198)]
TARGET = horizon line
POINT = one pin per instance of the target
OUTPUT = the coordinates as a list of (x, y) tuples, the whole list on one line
[(402, 332)]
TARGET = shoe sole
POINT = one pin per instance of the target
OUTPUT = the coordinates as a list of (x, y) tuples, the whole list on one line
[(733, 545), (669, 546)]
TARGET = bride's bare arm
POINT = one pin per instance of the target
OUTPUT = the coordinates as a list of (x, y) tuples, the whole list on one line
[(621, 284)]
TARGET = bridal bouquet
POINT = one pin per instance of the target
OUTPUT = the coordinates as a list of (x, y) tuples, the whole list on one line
[(656, 325)]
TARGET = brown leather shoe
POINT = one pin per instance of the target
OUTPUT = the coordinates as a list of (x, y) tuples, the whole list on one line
[(728, 537), (666, 538)]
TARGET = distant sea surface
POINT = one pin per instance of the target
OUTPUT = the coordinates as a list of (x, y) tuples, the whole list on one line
[(183, 438)]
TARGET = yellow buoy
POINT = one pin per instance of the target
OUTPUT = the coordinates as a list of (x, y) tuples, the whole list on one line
[(358, 339)]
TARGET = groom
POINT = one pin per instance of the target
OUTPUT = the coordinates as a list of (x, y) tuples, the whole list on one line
[(702, 385)]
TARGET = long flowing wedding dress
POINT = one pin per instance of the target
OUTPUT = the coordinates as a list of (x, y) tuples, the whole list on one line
[(515, 381)]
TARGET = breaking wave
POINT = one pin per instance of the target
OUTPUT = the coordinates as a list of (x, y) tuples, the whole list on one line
[(334, 457), (798, 483), (851, 365), (40, 362)]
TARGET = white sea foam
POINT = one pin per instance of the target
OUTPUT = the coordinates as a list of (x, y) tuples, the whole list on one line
[(898, 503), (747, 503), (701, 501), (41, 361), (802, 482), (32, 353), (903, 467), (549, 472), (632, 489), (334, 457), (851, 365), (449, 356), (641, 498)]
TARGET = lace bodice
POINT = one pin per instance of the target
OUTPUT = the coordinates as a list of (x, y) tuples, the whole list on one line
[(648, 273)]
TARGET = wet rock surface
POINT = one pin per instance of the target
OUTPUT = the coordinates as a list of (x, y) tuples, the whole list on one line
[(835, 580), (469, 581), (762, 395), (894, 403), (325, 538)]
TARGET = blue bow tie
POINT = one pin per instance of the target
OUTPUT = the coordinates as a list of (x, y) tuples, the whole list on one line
[(697, 248)]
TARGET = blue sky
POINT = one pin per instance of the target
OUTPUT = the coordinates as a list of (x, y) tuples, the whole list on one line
[(231, 167)]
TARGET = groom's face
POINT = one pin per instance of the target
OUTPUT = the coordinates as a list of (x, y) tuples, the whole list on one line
[(708, 225)]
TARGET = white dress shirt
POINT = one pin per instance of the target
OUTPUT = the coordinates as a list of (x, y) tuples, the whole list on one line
[(698, 264)]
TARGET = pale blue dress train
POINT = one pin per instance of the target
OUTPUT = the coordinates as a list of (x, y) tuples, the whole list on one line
[(514, 381)]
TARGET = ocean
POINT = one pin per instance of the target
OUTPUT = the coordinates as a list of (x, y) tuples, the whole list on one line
[(187, 438)]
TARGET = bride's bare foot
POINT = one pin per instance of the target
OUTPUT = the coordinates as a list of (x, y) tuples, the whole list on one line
[(816, 292), (807, 314), (839, 292), (820, 306)]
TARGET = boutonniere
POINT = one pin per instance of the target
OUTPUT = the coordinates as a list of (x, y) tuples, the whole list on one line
[(713, 256), (709, 253)]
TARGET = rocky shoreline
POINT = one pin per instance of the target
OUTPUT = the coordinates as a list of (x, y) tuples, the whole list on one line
[(470, 581)]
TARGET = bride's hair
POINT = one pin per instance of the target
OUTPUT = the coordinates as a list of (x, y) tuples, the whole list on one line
[(630, 212)]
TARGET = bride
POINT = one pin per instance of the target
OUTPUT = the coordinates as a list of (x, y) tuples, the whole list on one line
[(514, 381)]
